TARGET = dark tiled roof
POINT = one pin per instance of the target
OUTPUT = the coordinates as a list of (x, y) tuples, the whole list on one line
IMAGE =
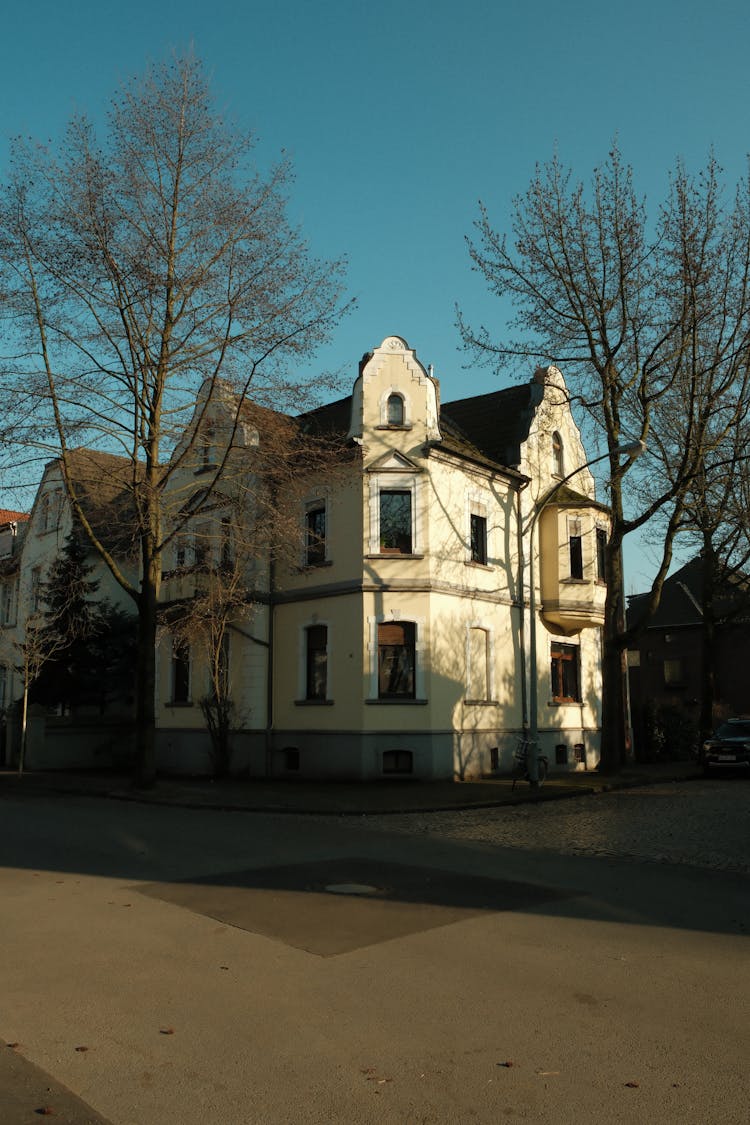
[(104, 485), (333, 418), (487, 427), (496, 424), (682, 595)]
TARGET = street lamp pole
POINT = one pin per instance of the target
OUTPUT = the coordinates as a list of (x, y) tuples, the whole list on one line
[(632, 449)]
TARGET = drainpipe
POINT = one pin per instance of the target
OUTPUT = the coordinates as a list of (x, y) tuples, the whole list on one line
[(520, 585)]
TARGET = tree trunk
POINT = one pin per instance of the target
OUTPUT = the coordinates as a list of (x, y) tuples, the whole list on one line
[(145, 717), (615, 733), (708, 646)]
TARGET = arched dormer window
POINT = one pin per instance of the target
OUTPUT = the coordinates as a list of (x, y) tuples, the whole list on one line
[(558, 460), (395, 410)]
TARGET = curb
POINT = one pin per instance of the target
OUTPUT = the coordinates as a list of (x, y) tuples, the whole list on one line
[(542, 797)]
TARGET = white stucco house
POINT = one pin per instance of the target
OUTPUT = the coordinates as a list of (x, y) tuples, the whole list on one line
[(398, 638)]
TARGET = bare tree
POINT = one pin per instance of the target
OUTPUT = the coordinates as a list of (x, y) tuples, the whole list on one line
[(715, 525), (135, 273), (635, 313)]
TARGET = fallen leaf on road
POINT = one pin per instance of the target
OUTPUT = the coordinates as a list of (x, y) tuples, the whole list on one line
[(45, 1111), (508, 1062), (166, 1031), (633, 1085), (81, 1049), (14, 1046), (545, 1073)]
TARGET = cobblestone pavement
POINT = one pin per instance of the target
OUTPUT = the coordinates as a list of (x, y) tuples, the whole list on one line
[(700, 823)]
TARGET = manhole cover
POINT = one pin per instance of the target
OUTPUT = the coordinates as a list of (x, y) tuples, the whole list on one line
[(351, 889)]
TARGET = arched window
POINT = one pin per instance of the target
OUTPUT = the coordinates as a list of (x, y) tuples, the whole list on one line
[(396, 659), (395, 410), (558, 463)]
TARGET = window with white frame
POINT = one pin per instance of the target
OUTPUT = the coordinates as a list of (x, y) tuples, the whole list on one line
[(35, 590), (395, 410), (575, 547), (316, 533), (182, 552), (180, 673), (226, 551), (565, 673), (316, 662), (44, 514), (478, 687), (50, 506), (558, 455), (206, 448), (396, 526), (203, 545), (396, 660), (478, 537), (8, 601)]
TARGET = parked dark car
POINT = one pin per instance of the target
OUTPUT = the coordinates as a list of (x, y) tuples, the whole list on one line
[(729, 748)]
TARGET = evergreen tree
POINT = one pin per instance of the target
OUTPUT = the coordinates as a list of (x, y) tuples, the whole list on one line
[(95, 659)]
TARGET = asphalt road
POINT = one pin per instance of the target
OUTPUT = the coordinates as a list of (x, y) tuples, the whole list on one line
[(579, 962)]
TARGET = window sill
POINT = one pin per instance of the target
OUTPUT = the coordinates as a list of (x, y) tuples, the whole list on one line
[(316, 565), (481, 703), (574, 581), (313, 703), (478, 565), (565, 703), (395, 555), (396, 702), (394, 426), (181, 705)]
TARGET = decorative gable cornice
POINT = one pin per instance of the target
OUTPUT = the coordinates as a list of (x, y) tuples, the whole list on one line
[(394, 462), (372, 367)]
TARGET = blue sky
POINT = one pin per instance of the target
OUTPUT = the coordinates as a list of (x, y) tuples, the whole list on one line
[(399, 117)]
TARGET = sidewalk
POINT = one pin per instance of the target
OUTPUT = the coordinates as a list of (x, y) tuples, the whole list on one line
[(339, 798)]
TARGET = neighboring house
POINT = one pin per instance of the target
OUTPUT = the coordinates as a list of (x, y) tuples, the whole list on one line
[(83, 739), (393, 636), (666, 661), (12, 529)]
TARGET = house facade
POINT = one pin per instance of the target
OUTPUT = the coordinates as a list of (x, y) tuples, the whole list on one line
[(397, 641), (29, 546), (12, 530), (395, 637), (666, 662)]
